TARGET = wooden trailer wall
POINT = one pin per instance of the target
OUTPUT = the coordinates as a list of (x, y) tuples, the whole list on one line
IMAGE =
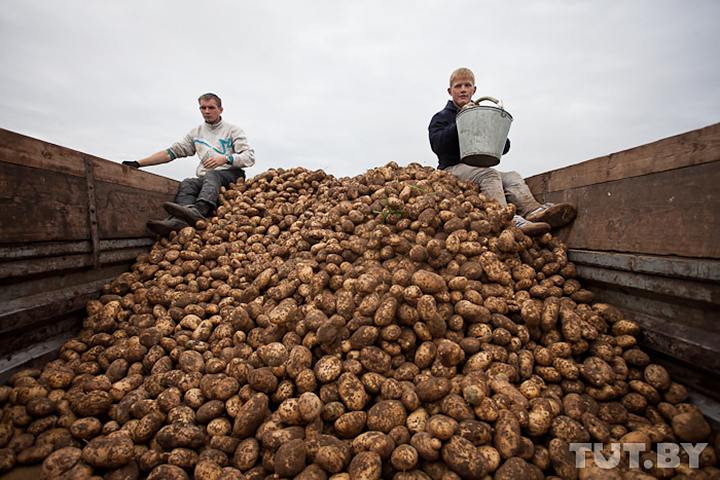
[(647, 240), (69, 223)]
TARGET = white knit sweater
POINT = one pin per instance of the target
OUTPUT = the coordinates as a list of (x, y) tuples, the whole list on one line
[(208, 140)]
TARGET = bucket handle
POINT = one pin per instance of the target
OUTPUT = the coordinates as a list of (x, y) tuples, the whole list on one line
[(492, 99)]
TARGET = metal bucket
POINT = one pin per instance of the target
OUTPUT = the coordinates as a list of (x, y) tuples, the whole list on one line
[(482, 131)]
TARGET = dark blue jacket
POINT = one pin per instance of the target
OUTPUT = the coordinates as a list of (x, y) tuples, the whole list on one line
[(444, 137)]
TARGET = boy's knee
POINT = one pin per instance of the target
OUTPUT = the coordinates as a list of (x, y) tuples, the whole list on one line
[(487, 175), (213, 175), (514, 176)]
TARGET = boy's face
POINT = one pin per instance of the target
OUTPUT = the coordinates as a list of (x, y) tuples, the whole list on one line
[(210, 111), (462, 90)]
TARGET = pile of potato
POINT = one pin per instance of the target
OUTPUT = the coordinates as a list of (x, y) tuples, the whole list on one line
[(391, 325)]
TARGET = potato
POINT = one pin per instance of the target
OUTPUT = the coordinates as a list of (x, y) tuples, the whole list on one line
[(463, 458), (180, 434), (168, 472), (433, 389), (251, 415), (352, 392), (569, 430), (507, 434), (290, 458), (246, 454), (429, 282), (7, 459), (365, 466), (34, 454), (350, 424), (374, 441), (182, 457), (404, 458), (690, 427), (108, 452), (207, 470), (385, 415)]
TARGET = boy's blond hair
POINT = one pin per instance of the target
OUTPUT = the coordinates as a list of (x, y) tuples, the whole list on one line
[(460, 73)]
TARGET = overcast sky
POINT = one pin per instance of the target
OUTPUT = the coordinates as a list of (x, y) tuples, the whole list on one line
[(349, 85)]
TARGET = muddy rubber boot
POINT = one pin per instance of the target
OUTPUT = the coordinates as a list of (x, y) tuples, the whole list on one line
[(164, 227), (531, 229), (556, 214), (190, 213)]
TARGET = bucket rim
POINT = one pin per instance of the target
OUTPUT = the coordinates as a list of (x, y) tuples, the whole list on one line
[(486, 107)]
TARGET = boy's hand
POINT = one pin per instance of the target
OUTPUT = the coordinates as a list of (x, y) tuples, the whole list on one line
[(214, 162), (131, 163)]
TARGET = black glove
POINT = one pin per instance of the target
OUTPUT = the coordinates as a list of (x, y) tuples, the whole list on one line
[(131, 163)]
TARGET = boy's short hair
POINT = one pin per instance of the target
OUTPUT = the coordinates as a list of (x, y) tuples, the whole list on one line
[(210, 96), (461, 72)]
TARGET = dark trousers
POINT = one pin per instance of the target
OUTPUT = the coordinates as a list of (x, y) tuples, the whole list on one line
[(206, 188)]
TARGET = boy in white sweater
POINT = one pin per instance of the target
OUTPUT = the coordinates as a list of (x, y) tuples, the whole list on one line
[(223, 151)]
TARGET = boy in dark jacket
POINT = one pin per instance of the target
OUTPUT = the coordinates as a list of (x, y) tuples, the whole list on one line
[(532, 218)]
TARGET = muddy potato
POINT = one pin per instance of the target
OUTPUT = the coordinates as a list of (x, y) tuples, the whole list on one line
[(374, 441), (385, 415), (168, 472), (207, 470), (246, 454), (352, 392), (540, 418), (429, 282), (108, 452), (251, 415), (290, 458), (365, 466), (433, 389), (404, 458), (690, 427), (310, 406), (442, 427), (463, 458), (331, 458), (349, 425), (657, 377), (7, 459), (180, 435), (490, 458), (507, 434), (60, 461), (182, 457), (209, 411)]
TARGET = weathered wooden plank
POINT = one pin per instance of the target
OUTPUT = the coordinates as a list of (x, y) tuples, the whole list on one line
[(668, 213), (40, 204), (676, 267), (123, 211), (18, 340), (695, 346), (26, 151), (33, 285), (26, 267), (692, 148), (22, 312), (38, 353), (59, 207), (674, 287), (701, 383), (694, 314), (52, 249)]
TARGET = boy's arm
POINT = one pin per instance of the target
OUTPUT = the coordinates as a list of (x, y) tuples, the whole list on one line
[(242, 156), (443, 135)]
